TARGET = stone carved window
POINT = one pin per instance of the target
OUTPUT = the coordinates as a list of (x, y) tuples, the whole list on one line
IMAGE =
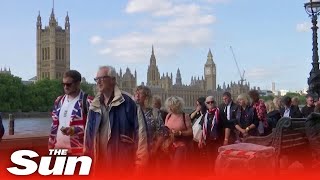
[(42, 53), (48, 53), (59, 53), (62, 53), (45, 53), (56, 52)]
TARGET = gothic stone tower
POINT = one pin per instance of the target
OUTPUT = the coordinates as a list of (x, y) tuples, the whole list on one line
[(210, 73), (153, 78), (53, 48), (178, 78)]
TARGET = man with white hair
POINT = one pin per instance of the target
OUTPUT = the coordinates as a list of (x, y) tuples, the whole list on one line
[(212, 128), (116, 131)]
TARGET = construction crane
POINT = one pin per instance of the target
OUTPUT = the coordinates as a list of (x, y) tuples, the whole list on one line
[(235, 60)]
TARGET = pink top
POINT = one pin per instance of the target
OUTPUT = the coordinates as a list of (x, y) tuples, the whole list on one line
[(175, 122)]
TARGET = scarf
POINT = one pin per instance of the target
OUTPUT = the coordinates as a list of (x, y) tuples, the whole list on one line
[(215, 120)]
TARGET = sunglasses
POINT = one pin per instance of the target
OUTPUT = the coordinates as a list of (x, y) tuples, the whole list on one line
[(97, 79), (67, 84), (210, 102)]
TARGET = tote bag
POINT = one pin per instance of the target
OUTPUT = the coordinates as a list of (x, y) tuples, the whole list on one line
[(197, 129)]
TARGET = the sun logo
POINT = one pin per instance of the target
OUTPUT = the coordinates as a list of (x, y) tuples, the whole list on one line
[(63, 165)]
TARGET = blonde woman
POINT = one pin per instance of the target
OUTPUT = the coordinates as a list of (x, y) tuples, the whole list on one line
[(180, 125), (246, 119), (277, 103), (273, 115)]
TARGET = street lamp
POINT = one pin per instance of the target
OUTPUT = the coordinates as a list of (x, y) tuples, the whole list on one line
[(313, 10)]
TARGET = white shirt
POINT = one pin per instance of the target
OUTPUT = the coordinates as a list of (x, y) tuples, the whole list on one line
[(63, 141), (286, 112), (227, 110)]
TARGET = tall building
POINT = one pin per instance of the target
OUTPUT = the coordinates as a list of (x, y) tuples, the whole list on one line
[(153, 71), (53, 48), (273, 87), (165, 87), (5, 71), (127, 81), (210, 73)]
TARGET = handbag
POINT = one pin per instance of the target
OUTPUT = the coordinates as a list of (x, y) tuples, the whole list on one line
[(197, 130), (166, 139)]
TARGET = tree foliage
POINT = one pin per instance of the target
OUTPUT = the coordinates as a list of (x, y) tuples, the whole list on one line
[(10, 93), (39, 97), (267, 98), (88, 88)]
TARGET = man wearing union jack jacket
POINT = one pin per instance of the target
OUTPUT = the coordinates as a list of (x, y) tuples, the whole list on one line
[(69, 116)]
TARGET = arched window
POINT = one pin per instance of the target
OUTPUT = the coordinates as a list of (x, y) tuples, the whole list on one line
[(62, 53), (42, 53), (45, 54), (56, 53), (59, 53)]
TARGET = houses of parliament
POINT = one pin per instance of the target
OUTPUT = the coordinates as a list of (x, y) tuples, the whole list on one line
[(165, 86), (53, 59)]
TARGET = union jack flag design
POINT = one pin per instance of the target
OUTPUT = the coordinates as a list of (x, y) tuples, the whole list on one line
[(78, 122)]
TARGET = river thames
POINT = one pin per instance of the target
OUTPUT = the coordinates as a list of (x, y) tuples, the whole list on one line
[(28, 126)]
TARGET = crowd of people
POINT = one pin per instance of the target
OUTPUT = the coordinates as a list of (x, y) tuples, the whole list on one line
[(124, 132)]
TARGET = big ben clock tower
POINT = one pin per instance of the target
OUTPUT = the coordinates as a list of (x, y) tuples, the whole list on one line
[(210, 73)]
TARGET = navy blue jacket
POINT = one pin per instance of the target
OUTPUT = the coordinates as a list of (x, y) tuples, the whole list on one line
[(127, 143)]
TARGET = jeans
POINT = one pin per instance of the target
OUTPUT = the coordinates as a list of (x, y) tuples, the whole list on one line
[(261, 128)]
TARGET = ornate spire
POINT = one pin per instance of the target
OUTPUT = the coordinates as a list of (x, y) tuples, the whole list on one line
[(52, 20), (39, 24), (67, 17), (209, 57), (178, 78), (128, 70), (39, 17), (67, 22), (153, 60), (178, 72), (209, 53)]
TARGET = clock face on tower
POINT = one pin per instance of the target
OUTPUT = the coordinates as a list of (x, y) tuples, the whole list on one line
[(207, 71)]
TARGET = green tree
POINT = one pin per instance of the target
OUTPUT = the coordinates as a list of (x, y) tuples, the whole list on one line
[(27, 101), (10, 93), (302, 98), (87, 88), (44, 94), (267, 98)]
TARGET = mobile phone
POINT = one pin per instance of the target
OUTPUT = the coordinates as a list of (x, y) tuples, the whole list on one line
[(63, 130)]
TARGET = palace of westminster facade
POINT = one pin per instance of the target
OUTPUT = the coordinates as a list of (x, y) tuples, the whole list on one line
[(53, 58)]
